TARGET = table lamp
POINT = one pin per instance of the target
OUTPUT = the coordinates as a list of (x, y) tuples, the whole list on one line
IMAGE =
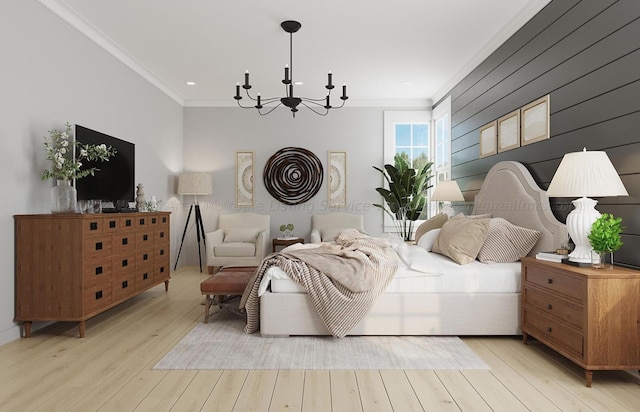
[(582, 174), (194, 184), (447, 191)]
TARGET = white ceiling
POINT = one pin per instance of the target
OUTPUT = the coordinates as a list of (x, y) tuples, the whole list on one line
[(373, 46)]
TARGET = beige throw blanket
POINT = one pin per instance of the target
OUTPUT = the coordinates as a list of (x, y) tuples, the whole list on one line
[(357, 272)]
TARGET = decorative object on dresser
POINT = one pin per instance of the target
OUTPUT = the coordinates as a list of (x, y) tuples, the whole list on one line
[(293, 175), (587, 315), (61, 149), (406, 197), (74, 267), (194, 184), (319, 106), (582, 174), (446, 192), (141, 201)]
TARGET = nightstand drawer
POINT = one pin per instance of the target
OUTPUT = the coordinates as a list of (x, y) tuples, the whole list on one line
[(555, 281), (552, 332), (554, 306)]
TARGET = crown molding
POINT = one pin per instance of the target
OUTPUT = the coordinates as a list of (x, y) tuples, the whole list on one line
[(388, 103), (68, 15), (528, 11)]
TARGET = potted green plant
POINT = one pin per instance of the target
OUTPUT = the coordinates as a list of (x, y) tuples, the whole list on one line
[(605, 238), (406, 196), (287, 230)]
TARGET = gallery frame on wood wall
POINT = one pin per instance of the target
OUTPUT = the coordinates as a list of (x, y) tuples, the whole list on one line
[(488, 135), (535, 121), (509, 131), (244, 178), (337, 179)]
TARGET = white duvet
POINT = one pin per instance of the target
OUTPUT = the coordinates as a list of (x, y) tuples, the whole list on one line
[(423, 272)]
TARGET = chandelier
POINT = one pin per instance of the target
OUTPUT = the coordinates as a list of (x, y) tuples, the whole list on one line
[(319, 106)]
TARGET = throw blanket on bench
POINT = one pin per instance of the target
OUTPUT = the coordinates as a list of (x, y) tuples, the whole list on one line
[(342, 280)]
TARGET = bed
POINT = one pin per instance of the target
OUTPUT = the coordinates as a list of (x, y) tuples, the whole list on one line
[(473, 299)]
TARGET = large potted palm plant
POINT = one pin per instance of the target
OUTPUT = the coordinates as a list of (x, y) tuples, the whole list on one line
[(406, 196)]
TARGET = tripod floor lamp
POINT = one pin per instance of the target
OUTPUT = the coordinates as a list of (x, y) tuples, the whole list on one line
[(194, 184)]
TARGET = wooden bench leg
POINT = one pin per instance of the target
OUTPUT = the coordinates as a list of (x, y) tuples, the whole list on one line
[(207, 304)]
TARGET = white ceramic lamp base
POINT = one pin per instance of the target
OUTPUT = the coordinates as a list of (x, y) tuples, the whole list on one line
[(579, 223)]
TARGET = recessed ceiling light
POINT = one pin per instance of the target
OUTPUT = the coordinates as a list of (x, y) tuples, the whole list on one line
[(406, 83), (298, 83), (191, 83)]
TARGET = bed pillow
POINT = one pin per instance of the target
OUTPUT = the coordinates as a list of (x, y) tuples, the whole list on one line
[(435, 222), (507, 242), (428, 239), (460, 239), (329, 235), (240, 235)]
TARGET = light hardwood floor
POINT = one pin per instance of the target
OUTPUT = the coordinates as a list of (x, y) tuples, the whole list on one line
[(110, 370)]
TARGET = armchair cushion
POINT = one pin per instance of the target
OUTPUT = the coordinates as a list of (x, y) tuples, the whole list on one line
[(235, 249), (240, 235)]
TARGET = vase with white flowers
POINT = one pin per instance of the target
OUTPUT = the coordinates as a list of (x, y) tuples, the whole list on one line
[(66, 156)]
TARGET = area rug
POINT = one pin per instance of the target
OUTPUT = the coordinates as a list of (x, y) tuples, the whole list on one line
[(222, 344)]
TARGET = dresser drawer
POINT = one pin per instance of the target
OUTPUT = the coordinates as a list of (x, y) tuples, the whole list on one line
[(161, 235), (144, 277), (96, 269), (124, 263), (144, 257), (552, 332), (144, 238), (97, 296), (97, 246), (564, 284), (124, 286), (124, 241), (553, 306)]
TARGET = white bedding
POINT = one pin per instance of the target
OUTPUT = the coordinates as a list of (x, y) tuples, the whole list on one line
[(438, 274)]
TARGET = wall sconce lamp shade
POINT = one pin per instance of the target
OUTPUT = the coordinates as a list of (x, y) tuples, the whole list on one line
[(447, 191), (582, 174), (194, 184)]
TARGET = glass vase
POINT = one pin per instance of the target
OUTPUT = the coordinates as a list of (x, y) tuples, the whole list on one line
[(63, 197), (602, 260)]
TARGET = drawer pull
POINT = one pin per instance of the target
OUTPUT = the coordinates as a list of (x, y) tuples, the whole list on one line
[(125, 284), (549, 281), (112, 224), (549, 306), (161, 234), (164, 220), (145, 276), (125, 263), (99, 270), (98, 245), (93, 226), (162, 269), (99, 295), (142, 221), (161, 252), (125, 241), (145, 256), (145, 237), (127, 222), (549, 329), (153, 220)]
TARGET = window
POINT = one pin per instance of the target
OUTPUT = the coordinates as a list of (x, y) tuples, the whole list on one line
[(420, 136)]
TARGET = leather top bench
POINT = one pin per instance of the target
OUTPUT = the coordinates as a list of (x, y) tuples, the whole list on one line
[(229, 281)]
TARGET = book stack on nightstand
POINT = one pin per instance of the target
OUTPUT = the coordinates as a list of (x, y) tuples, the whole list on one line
[(550, 256)]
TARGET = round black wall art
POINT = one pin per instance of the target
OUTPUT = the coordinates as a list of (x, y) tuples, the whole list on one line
[(293, 175)]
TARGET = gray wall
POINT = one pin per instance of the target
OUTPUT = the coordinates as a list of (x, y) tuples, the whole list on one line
[(586, 56), (213, 135), (51, 74)]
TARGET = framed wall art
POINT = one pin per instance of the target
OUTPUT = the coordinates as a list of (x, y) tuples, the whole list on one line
[(509, 131), (535, 121), (488, 135), (337, 179), (244, 178)]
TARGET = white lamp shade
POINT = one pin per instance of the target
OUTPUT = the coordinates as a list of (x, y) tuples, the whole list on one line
[(583, 174), (195, 184), (447, 191)]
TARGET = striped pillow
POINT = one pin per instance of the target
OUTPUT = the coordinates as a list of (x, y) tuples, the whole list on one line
[(507, 242)]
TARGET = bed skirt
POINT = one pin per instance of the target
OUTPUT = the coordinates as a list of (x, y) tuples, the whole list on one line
[(286, 314)]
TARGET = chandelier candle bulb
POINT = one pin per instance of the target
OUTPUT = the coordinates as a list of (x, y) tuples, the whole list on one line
[(328, 105), (237, 96), (246, 80), (329, 80), (344, 92), (286, 74), (259, 106)]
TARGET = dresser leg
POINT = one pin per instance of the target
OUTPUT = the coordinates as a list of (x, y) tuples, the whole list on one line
[(27, 328), (588, 376), (525, 336), (166, 285), (81, 326)]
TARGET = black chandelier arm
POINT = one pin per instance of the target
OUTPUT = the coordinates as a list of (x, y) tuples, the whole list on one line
[(269, 111), (314, 109)]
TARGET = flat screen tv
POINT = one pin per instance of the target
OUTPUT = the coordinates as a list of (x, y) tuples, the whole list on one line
[(115, 181)]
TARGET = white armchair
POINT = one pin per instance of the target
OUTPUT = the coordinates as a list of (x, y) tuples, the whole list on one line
[(242, 239), (324, 228)]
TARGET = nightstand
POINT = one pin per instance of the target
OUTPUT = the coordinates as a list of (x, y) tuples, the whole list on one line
[(284, 242), (589, 316)]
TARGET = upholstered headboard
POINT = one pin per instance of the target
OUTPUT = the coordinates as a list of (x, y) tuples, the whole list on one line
[(510, 192)]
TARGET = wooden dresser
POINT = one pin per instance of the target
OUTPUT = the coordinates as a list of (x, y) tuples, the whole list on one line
[(71, 267), (590, 316)]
